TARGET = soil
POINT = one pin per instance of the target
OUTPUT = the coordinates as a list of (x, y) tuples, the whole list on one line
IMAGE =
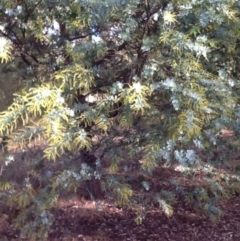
[(113, 224), (78, 219), (83, 220)]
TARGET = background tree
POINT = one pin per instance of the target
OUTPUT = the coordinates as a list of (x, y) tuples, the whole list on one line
[(154, 80)]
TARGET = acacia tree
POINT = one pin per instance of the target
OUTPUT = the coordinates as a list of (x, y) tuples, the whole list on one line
[(158, 78)]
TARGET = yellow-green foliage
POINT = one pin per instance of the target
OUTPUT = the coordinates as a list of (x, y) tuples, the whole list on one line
[(117, 78), (5, 50)]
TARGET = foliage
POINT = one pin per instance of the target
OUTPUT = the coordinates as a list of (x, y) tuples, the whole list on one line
[(159, 78)]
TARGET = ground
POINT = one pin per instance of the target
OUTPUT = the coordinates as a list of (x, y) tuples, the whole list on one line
[(114, 224), (81, 219), (78, 220)]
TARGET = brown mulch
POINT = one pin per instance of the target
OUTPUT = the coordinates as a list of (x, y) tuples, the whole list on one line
[(112, 224), (79, 220)]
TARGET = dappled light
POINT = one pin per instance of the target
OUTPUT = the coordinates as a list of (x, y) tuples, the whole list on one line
[(119, 120)]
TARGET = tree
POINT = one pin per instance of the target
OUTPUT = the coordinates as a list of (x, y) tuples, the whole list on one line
[(158, 78)]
